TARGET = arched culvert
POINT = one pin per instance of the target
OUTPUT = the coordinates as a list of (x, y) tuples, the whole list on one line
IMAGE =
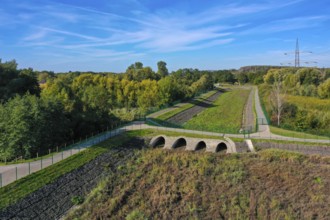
[(180, 143), (158, 142), (222, 147), (201, 146)]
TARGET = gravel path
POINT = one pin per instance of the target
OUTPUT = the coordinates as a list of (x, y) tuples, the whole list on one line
[(248, 123), (186, 115), (262, 121)]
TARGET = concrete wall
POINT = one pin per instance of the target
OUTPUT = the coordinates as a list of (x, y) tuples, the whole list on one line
[(193, 144)]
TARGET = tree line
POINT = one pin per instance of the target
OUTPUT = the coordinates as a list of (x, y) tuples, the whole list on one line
[(298, 99), (41, 110)]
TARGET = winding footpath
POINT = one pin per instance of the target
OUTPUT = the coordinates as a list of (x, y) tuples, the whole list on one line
[(10, 173)]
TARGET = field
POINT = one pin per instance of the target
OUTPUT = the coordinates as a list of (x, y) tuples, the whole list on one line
[(309, 102), (158, 184), (224, 116)]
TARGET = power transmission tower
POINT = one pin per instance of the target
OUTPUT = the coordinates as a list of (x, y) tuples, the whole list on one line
[(297, 55)]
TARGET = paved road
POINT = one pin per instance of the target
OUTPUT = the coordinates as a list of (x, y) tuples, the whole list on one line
[(262, 120), (10, 173)]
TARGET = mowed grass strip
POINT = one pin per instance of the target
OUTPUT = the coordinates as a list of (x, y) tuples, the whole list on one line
[(170, 114), (295, 134), (22, 187), (224, 116)]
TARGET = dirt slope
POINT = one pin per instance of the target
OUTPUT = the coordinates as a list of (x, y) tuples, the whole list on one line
[(160, 184)]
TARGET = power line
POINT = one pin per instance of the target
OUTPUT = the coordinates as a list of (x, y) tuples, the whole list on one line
[(297, 53)]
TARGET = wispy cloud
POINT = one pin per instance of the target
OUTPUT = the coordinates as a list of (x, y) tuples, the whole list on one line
[(293, 24), (102, 30)]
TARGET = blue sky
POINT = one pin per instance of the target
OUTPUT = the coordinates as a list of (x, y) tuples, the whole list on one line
[(108, 35)]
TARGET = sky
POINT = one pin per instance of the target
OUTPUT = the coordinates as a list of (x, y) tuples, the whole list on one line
[(109, 35)]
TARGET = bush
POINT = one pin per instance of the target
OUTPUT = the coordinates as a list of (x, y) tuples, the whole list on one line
[(77, 200), (135, 215), (281, 155)]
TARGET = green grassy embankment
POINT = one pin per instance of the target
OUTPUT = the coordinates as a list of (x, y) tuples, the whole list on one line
[(158, 184), (295, 134), (224, 116), (170, 114)]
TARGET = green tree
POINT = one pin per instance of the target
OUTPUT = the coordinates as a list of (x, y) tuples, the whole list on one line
[(324, 89), (148, 94), (162, 69), (242, 78)]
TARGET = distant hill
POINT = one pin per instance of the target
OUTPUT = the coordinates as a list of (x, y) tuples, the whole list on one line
[(265, 68), (258, 68)]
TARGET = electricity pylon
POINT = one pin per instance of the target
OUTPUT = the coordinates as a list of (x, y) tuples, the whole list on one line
[(297, 53)]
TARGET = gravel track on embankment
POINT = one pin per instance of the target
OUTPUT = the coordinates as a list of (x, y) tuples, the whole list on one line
[(186, 115)]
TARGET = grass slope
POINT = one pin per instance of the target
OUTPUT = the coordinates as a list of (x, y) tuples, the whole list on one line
[(296, 134), (158, 184), (170, 114), (225, 116)]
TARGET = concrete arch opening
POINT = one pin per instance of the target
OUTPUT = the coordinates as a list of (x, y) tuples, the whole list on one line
[(222, 147), (180, 144), (158, 142), (201, 146)]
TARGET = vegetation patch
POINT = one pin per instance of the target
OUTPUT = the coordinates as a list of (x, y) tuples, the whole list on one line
[(225, 116), (296, 134), (298, 100), (281, 155), (158, 184), (284, 142)]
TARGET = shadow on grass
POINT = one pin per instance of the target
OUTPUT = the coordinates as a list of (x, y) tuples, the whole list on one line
[(162, 123), (204, 104)]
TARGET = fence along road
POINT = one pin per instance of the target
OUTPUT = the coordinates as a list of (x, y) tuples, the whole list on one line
[(11, 173)]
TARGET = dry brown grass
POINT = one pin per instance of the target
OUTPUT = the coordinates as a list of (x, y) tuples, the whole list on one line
[(158, 184)]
